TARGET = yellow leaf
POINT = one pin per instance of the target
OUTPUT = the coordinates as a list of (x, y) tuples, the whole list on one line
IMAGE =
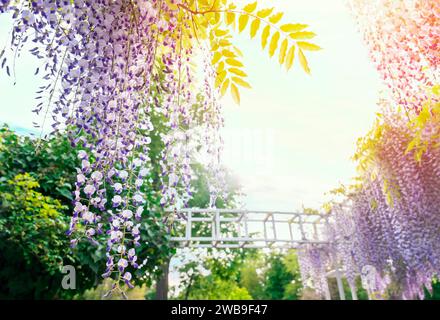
[(220, 33), (255, 25), (290, 57), (241, 82), (201, 21), (274, 43), (220, 67), (172, 6), (238, 72), (228, 53), (264, 35), (217, 18), (221, 75), (217, 56), (214, 46), (219, 79), (234, 62), (303, 61), (283, 50), (276, 17), (238, 51), (424, 115), (290, 27), (250, 7), (414, 142), (235, 93), (242, 22), (373, 204), (224, 87), (224, 43), (302, 35), (418, 155), (213, 17), (308, 46), (230, 18), (264, 13)]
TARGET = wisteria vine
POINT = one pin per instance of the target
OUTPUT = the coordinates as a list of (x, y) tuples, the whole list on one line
[(387, 230), (105, 63), (403, 39)]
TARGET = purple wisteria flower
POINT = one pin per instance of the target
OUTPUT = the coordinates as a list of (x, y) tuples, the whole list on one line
[(98, 61)]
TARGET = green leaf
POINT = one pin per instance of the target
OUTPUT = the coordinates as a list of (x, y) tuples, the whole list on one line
[(65, 193)]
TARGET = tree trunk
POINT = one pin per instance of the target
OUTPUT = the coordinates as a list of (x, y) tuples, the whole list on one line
[(162, 283), (189, 288)]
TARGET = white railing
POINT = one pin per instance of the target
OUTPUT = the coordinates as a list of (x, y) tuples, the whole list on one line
[(232, 228), (202, 228)]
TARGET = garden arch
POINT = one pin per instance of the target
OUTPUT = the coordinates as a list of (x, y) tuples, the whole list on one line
[(281, 229)]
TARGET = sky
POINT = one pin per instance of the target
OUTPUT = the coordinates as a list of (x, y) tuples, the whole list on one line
[(291, 138)]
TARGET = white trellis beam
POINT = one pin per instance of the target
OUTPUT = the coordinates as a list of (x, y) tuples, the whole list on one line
[(240, 235), (300, 228)]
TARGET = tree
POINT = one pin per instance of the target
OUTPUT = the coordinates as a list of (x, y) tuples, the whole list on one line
[(272, 276), (435, 292), (250, 278), (39, 175), (48, 168), (213, 288), (293, 290), (277, 277), (34, 205), (212, 274)]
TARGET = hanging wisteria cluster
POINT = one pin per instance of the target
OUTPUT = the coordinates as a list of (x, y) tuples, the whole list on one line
[(403, 38), (100, 60), (393, 222), (388, 229), (315, 261)]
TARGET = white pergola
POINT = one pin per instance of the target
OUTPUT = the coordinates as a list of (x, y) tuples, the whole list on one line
[(234, 228)]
